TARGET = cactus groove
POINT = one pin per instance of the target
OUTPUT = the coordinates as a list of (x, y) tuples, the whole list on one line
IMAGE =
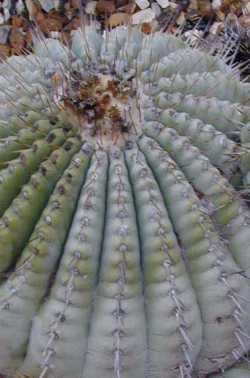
[(124, 216)]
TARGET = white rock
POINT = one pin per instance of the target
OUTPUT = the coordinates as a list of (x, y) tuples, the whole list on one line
[(5, 4), (55, 34), (142, 4), (247, 7), (91, 7), (216, 4), (47, 5), (155, 7), (146, 15), (6, 14), (163, 3), (173, 5), (19, 6)]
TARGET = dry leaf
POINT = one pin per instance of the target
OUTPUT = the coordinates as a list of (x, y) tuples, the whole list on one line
[(40, 17), (73, 24), (75, 4), (105, 6), (118, 19), (181, 19), (28, 38), (193, 5), (53, 21), (146, 28), (57, 79), (17, 39), (204, 8), (18, 21), (245, 21), (4, 53), (220, 15)]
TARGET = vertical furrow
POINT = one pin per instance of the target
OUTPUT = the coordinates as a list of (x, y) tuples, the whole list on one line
[(154, 47), (215, 84), (117, 339), (60, 329), (19, 219), (227, 209), (22, 293), (18, 171), (221, 289), (221, 151), (183, 62), (11, 147), (17, 123), (172, 313), (223, 115)]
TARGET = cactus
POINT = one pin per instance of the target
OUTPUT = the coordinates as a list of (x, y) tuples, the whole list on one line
[(125, 225), (239, 371)]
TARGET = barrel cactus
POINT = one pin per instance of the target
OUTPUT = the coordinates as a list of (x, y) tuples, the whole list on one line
[(125, 240)]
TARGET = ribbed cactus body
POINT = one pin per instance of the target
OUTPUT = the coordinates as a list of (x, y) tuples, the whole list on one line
[(241, 371), (67, 310), (124, 237), (23, 291)]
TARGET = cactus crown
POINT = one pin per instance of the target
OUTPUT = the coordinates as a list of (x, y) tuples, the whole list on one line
[(99, 106), (125, 244)]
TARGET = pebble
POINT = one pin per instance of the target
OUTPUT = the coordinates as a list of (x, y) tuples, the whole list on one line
[(163, 3), (142, 4), (146, 15)]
